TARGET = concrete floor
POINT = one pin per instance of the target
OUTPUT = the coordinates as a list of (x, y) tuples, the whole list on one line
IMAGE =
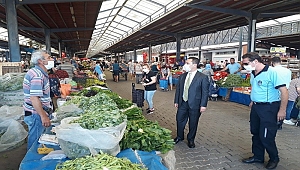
[(223, 136)]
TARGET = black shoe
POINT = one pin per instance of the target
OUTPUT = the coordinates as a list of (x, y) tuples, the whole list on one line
[(177, 139), (272, 164), (252, 160), (191, 144)]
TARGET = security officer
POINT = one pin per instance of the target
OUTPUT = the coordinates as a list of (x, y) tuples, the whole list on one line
[(269, 97)]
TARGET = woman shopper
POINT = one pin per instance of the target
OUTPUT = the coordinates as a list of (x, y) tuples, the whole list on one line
[(293, 90), (149, 82)]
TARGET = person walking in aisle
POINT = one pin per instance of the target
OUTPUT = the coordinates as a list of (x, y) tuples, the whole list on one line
[(37, 96), (269, 97), (116, 71), (138, 69), (191, 99), (149, 82)]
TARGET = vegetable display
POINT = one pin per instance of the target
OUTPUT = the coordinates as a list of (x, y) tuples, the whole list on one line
[(134, 114), (98, 162), (232, 80), (100, 119), (11, 82), (146, 136)]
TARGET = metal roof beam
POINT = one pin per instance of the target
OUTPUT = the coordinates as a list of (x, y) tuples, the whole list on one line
[(105, 18), (221, 10), (129, 19), (71, 29), (276, 14), (52, 1), (137, 11), (159, 32), (118, 29), (122, 24), (110, 9), (156, 3), (70, 40)]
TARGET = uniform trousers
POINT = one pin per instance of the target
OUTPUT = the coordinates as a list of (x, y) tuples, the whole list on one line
[(263, 127)]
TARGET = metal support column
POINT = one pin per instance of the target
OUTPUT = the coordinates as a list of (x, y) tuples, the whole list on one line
[(12, 28), (48, 40), (59, 48), (134, 55), (150, 53), (298, 54), (251, 33), (178, 47), (240, 44), (199, 53)]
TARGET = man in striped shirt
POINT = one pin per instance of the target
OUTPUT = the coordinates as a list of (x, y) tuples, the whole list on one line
[(37, 96)]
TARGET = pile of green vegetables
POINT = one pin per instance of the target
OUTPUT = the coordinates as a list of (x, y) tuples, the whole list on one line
[(98, 162), (100, 111), (142, 134), (232, 80), (121, 103), (11, 82)]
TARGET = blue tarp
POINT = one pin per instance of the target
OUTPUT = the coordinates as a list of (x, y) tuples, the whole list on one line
[(149, 159), (32, 159)]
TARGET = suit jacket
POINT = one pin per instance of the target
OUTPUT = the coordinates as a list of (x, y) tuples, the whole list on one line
[(198, 91)]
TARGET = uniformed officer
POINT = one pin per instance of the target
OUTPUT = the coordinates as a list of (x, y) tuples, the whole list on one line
[(269, 97)]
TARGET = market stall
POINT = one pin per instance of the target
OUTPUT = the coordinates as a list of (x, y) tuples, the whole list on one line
[(236, 86), (98, 122)]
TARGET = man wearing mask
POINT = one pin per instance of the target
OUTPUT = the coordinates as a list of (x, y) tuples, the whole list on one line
[(190, 104), (233, 67), (37, 96), (269, 97)]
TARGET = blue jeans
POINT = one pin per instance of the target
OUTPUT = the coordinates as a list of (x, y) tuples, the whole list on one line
[(170, 80), (289, 109), (148, 96), (35, 128)]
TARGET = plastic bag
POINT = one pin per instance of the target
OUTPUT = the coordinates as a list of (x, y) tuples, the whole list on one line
[(169, 159), (57, 154), (71, 110), (105, 139), (14, 134), (65, 90), (148, 159), (11, 112)]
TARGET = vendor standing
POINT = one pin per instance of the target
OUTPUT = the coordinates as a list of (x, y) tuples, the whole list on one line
[(233, 67), (37, 96), (269, 98)]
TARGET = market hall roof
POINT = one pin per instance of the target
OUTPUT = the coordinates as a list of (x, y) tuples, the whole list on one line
[(119, 29), (71, 21)]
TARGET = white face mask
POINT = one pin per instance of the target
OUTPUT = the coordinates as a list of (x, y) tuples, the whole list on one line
[(50, 65), (187, 68), (249, 68), (145, 70)]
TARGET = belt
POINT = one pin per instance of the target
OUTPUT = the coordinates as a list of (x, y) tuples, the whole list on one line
[(28, 113), (265, 103)]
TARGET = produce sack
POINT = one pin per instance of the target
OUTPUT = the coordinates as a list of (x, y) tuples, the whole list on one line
[(65, 111), (88, 141), (11, 112), (12, 134), (149, 160), (12, 98)]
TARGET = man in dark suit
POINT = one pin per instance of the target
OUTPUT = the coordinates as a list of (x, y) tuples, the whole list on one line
[(191, 98)]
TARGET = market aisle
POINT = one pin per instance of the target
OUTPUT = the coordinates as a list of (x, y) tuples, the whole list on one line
[(223, 136)]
